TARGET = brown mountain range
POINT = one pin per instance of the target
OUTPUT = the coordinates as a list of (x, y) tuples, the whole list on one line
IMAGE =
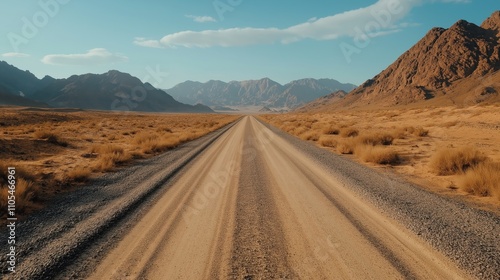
[(459, 65)]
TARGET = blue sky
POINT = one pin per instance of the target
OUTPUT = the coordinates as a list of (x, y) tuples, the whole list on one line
[(167, 42)]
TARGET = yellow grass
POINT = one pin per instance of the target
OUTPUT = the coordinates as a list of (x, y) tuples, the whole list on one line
[(416, 135), (54, 150), (482, 180), (379, 155), (349, 132), (451, 161)]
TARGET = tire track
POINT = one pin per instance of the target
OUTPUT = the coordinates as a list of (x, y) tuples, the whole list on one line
[(259, 250)]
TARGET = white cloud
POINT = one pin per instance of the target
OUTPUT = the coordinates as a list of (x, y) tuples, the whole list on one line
[(201, 18), (147, 43), (15, 54), (92, 57), (379, 18)]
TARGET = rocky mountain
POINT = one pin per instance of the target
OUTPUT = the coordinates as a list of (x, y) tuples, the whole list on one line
[(113, 90), (7, 97), (322, 102), (264, 92), (19, 82), (447, 66), (110, 91)]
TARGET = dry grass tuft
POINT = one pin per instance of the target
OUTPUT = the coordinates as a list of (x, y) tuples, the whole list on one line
[(109, 156), (349, 132), (379, 155), (326, 141), (50, 137), (377, 139), (417, 131), (78, 174), (456, 161), (310, 136), (482, 180), (332, 130), (346, 147), (26, 193)]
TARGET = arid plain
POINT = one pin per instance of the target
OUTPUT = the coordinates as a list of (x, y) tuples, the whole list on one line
[(56, 150), (448, 150)]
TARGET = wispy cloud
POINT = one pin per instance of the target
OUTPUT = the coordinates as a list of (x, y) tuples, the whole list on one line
[(328, 28), (15, 54), (92, 57), (379, 19), (201, 18)]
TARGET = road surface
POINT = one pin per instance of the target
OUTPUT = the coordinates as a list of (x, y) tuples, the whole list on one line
[(253, 206)]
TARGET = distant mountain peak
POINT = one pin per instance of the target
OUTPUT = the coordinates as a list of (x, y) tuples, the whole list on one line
[(262, 92), (493, 22)]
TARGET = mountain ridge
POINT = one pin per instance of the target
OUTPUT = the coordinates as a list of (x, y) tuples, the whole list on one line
[(262, 92), (113, 90), (463, 54)]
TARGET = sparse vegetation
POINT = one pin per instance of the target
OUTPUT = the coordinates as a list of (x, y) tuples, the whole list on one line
[(78, 174), (377, 154), (482, 180), (52, 151), (349, 132), (50, 137), (408, 139), (451, 161)]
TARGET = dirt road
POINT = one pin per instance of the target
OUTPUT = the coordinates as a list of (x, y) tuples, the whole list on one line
[(251, 202), (253, 206)]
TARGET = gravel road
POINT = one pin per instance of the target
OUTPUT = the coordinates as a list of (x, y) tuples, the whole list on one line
[(251, 202)]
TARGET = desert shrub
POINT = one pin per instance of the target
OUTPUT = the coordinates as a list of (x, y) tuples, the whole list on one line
[(310, 136), (346, 147), (78, 174), (109, 156), (26, 193), (377, 139), (50, 137), (456, 161), (332, 130), (349, 132), (417, 131), (482, 180), (160, 145), (377, 154), (327, 142)]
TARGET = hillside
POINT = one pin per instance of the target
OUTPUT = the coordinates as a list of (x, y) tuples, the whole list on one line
[(457, 66), (263, 92), (110, 91)]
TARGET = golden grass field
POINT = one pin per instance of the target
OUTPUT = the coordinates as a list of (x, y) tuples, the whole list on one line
[(448, 150), (55, 151)]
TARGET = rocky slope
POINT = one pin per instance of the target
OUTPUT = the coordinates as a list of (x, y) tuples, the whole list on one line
[(264, 92), (110, 91), (464, 54)]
